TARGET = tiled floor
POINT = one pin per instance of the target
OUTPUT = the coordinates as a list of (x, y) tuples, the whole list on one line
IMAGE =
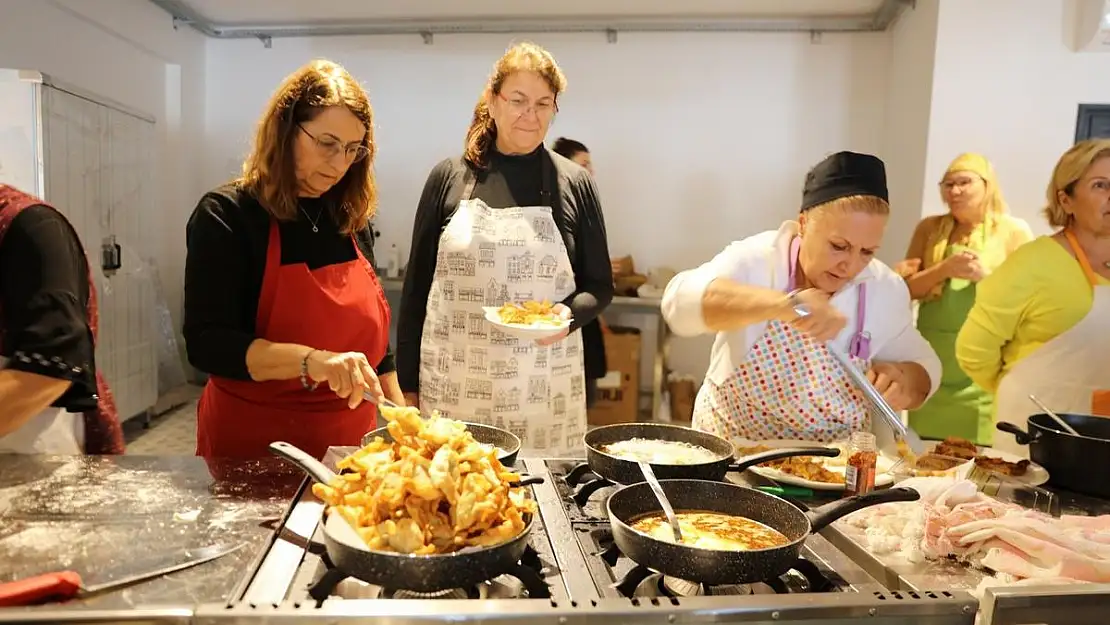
[(172, 433)]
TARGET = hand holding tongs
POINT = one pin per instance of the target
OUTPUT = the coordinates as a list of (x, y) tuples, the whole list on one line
[(879, 403)]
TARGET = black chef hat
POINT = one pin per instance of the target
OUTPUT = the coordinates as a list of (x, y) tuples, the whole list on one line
[(842, 175)]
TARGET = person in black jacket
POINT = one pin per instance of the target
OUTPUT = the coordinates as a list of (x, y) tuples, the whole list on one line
[(593, 342), (508, 221)]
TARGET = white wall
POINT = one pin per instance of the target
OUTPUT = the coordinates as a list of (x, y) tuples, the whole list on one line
[(126, 50), (697, 139), (1008, 85)]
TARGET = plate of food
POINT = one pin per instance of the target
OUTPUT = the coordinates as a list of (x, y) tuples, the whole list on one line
[(813, 472), (957, 456), (530, 320)]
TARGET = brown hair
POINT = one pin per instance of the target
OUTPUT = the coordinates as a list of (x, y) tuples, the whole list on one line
[(522, 57), (269, 171), (1069, 169)]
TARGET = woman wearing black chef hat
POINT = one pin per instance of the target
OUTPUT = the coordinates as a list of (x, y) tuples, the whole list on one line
[(779, 300)]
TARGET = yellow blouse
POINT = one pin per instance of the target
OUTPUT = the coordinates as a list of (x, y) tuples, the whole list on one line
[(1039, 292)]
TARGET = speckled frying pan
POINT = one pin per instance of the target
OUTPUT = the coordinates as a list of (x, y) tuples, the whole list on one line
[(421, 573), (622, 471), (507, 443), (716, 566)]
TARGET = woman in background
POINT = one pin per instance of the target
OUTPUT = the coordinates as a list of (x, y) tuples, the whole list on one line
[(282, 305), (1041, 321), (593, 342), (52, 399), (948, 255), (507, 221)]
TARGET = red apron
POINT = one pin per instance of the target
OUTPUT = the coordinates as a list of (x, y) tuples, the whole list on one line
[(338, 308), (103, 433)]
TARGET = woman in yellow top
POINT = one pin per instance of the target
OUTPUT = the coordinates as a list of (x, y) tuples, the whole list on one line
[(1041, 321), (947, 256)]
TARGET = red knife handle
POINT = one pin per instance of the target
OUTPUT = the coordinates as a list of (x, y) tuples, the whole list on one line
[(57, 586)]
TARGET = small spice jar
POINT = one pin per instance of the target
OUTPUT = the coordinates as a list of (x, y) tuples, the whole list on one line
[(859, 475)]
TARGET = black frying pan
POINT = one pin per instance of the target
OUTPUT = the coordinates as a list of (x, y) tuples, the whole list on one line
[(419, 573), (713, 566), (1077, 463), (623, 471), (504, 440)]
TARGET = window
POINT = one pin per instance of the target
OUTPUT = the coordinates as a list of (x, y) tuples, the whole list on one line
[(1093, 122)]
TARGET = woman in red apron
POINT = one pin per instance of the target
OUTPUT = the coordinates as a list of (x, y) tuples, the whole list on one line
[(282, 306)]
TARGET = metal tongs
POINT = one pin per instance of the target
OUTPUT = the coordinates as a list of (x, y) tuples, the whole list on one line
[(879, 404), (382, 402)]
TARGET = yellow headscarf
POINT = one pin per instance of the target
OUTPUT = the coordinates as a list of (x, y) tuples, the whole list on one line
[(984, 240)]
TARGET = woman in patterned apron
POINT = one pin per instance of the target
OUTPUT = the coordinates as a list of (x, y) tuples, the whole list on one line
[(1041, 321), (509, 221), (779, 300)]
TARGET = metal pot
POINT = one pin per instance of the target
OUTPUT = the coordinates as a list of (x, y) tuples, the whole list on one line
[(1075, 463)]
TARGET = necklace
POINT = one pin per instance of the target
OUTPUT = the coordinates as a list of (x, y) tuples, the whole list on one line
[(312, 221)]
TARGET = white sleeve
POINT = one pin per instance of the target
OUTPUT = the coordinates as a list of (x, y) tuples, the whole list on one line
[(907, 344), (682, 299)]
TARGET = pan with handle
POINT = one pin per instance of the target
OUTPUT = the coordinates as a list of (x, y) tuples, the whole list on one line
[(717, 566), (504, 442), (621, 470), (420, 573)]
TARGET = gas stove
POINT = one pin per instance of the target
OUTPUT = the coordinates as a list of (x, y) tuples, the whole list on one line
[(571, 571)]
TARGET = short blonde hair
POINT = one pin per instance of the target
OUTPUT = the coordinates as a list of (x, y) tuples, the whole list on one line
[(870, 204), (1071, 167)]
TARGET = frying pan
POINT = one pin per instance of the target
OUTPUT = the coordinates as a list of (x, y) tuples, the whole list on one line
[(421, 573), (713, 566), (1077, 463), (623, 471), (506, 441)]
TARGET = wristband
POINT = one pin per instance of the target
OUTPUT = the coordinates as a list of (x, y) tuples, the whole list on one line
[(307, 383)]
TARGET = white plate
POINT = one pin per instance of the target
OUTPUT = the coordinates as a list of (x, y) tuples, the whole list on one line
[(532, 332), (883, 476), (1035, 475)]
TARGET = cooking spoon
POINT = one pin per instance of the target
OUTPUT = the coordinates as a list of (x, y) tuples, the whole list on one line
[(1055, 417), (657, 488)]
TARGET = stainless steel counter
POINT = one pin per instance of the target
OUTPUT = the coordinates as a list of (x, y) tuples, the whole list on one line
[(107, 516)]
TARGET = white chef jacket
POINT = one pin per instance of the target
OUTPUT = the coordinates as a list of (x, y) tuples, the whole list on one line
[(762, 260)]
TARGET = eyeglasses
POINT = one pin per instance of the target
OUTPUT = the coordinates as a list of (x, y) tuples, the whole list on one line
[(961, 184), (520, 106), (330, 147)]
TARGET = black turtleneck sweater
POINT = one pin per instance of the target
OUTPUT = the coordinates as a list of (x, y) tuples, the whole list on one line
[(227, 237), (510, 181)]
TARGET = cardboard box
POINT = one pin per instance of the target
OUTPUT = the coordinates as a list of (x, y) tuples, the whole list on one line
[(618, 393)]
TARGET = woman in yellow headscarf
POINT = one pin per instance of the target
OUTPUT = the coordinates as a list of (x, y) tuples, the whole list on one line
[(947, 256)]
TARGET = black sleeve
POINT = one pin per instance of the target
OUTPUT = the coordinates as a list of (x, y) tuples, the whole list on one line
[(366, 243), (593, 274), (216, 294), (44, 291), (421, 268)]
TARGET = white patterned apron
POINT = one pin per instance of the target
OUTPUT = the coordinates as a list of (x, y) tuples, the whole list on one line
[(1066, 373), (788, 386), (470, 370), (52, 431)]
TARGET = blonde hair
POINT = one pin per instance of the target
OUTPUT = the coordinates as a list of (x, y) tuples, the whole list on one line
[(979, 165), (1071, 167), (522, 57), (869, 204), (269, 171)]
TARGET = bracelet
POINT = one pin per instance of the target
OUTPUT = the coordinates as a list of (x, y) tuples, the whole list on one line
[(305, 381)]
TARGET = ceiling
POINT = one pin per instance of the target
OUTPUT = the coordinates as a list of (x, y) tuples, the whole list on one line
[(263, 18)]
